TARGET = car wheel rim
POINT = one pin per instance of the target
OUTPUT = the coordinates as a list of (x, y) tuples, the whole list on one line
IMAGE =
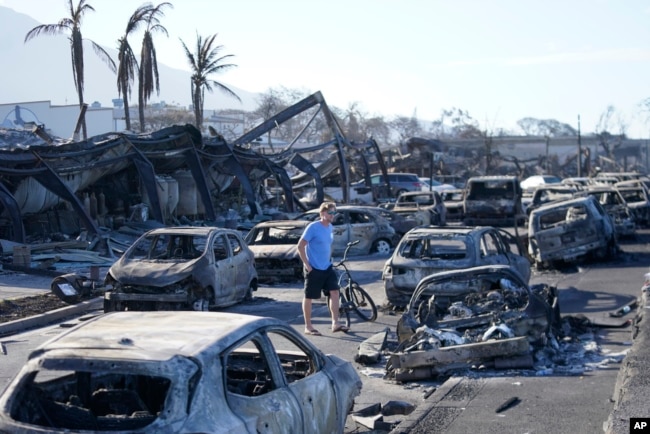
[(383, 247)]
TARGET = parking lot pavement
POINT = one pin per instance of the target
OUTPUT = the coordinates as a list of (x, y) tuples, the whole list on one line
[(632, 385)]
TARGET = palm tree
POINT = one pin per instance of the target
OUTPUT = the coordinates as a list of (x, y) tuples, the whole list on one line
[(148, 74), (127, 62), (205, 61), (72, 25)]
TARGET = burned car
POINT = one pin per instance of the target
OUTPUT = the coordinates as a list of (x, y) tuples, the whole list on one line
[(401, 224), (614, 204), (430, 249), (453, 201), (179, 372), (492, 200), (275, 246), (570, 230), (425, 207), (182, 268), (549, 193), (462, 317), (638, 201), (363, 223)]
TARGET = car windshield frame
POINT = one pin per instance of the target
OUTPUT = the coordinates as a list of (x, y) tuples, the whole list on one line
[(168, 246), (435, 247)]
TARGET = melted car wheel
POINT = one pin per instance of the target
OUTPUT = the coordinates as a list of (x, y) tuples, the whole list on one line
[(382, 246)]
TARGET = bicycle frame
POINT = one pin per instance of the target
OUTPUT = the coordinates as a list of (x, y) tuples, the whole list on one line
[(351, 296)]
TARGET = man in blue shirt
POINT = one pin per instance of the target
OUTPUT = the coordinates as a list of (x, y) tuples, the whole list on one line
[(315, 250)]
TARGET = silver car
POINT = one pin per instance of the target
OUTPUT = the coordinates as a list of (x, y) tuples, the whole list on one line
[(399, 183), (180, 372), (182, 268)]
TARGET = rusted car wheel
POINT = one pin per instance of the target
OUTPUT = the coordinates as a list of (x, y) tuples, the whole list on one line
[(381, 246)]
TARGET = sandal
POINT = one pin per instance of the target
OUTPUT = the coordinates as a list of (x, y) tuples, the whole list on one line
[(313, 332), (340, 328)]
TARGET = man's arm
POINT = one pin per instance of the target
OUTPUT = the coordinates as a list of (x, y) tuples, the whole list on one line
[(302, 252)]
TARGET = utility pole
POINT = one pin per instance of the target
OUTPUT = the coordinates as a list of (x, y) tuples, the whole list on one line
[(547, 164), (579, 159)]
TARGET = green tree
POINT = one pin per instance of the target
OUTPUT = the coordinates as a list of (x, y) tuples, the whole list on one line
[(72, 26), (148, 78), (205, 61), (127, 62)]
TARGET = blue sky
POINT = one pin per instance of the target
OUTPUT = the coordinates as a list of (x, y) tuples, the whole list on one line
[(501, 60)]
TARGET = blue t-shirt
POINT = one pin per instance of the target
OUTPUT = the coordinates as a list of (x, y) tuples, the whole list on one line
[(319, 245)]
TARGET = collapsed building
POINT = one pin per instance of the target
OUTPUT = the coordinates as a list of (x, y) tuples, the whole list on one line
[(51, 187)]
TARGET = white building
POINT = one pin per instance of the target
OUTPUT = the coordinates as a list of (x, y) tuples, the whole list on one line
[(58, 121)]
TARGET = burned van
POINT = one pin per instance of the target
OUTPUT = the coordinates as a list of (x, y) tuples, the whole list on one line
[(570, 230), (493, 201)]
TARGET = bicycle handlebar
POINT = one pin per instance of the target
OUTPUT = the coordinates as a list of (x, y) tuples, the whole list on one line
[(345, 253)]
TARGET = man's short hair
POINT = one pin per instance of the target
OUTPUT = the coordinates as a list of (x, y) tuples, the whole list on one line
[(326, 206)]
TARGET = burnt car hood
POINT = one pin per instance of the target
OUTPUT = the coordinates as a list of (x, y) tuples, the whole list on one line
[(151, 273), (277, 251)]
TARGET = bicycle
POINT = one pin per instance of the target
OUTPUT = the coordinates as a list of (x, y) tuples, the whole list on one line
[(353, 297)]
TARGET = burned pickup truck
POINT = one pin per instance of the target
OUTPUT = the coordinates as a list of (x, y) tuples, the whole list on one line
[(478, 315), (492, 200), (570, 230)]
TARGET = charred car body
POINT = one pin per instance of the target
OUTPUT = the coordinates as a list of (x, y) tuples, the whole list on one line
[(638, 201), (453, 201), (427, 250), (549, 193), (179, 372), (182, 268), (425, 207), (275, 246), (570, 230), (492, 200), (457, 318), (614, 204), (363, 223)]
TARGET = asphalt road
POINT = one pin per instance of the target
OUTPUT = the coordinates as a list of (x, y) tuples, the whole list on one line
[(556, 403)]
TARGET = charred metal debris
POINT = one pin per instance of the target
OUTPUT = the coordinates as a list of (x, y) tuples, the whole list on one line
[(55, 189), (486, 319)]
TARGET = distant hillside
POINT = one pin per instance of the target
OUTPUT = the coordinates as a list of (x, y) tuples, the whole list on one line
[(40, 70)]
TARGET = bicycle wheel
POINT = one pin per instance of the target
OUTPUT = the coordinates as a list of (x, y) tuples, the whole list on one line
[(362, 303)]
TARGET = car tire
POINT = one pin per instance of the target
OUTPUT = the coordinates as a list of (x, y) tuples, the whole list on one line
[(109, 306), (381, 246), (249, 293)]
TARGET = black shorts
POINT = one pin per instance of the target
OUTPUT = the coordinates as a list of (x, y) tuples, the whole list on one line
[(320, 280)]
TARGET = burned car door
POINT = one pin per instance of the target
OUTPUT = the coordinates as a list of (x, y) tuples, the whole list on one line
[(241, 263), (276, 385), (341, 232), (517, 254), (314, 390), (256, 390), (225, 270), (491, 250), (362, 228)]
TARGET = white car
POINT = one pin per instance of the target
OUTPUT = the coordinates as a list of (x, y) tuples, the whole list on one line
[(531, 182), (429, 184)]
